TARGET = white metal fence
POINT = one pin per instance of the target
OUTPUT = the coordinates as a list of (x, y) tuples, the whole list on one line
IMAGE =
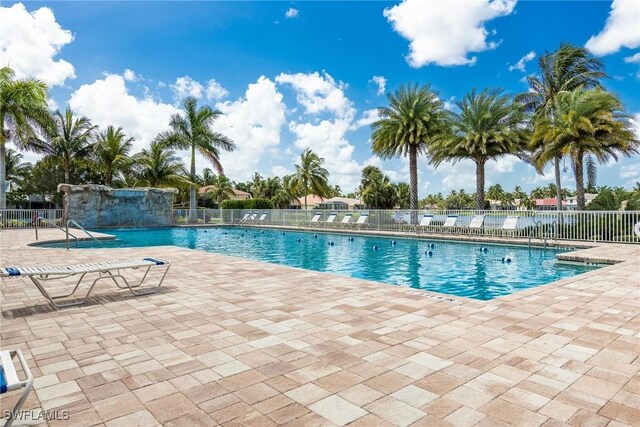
[(27, 218), (596, 226)]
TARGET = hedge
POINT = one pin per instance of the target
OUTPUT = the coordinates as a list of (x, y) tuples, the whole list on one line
[(247, 204)]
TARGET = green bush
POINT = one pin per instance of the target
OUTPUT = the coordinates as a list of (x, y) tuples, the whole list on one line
[(247, 204)]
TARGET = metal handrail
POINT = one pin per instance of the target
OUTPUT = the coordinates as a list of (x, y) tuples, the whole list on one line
[(66, 231), (537, 223), (83, 229)]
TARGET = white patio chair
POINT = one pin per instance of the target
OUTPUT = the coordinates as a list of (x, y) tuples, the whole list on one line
[(9, 380)]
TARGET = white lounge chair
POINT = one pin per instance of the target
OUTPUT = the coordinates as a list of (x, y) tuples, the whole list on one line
[(9, 380), (425, 221), (262, 217), (510, 225), (346, 219), (331, 219), (105, 270), (244, 218), (476, 222), (450, 222), (362, 220), (315, 219)]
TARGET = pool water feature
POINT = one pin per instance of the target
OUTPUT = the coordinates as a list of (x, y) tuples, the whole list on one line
[(466, 269)]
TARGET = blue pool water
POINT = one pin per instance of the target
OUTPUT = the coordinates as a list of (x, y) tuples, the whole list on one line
[(454, 268)]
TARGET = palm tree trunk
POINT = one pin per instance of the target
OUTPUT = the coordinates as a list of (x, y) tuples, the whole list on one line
[(67, 174), (413, 178), (556, 165), (193, 203), (578, 168), (3, 153), (480, 184)]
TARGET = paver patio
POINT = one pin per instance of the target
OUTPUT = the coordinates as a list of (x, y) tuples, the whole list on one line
[(231, 341)]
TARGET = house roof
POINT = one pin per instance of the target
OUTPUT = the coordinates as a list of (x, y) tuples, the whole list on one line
[(552, 201), (348, 201), (312, 200)]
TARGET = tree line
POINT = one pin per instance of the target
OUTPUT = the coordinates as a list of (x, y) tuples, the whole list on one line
[(566, 114)]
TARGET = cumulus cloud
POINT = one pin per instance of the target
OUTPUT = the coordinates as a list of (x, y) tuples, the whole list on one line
[(291, 13), (186, 86), (461, 175), (108, 102), (502, 164), (215, 91), (380, 82), (522, 62), (130, 76), (445, 32), (620, 30), (635, 122), (630, 172), (319, 93), (367, 117), (254, 123), (30, 42), (633, 59)]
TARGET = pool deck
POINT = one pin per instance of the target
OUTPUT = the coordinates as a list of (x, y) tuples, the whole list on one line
[(230, 341)]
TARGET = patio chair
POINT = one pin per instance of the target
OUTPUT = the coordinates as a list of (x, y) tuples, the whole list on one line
[(346, 219), (244, 218), (262, 217), (450, 222), (9, 380), (362, 220), (476, 223), (315, 219), (425, 222), (110, 270), (510, 225), (330, 221)]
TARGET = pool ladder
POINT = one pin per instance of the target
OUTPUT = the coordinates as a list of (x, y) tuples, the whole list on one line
[(544, 236), (77, 225)]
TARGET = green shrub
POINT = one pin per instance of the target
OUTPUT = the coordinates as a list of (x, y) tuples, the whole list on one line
[(247, 204)]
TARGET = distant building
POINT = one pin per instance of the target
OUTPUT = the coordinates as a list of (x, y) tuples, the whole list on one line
[(549, 204), (341, 203), (572, 202), (237, 194), (312, 201)]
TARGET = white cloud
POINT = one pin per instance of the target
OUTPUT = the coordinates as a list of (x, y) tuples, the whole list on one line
[(503, 164), (380, 82), (459, 175), (280, 171), (29, 42), (630, 172), (522, 62), (445, 32), (108, 102), (291, 13), (185, 86), (130, 76), (620, 30), (633, 59), (367, 117), (253, 123), (635, 122), (215, 91), (319, 93)]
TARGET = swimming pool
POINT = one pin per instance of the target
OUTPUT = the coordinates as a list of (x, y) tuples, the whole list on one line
[(455, 268)]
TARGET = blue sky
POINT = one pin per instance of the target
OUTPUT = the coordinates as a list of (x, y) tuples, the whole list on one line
[(291, 75)]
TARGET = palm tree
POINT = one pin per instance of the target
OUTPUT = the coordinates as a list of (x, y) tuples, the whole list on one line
[(495, 192), (208, 177), (220, 189), (287, 193), (566, 69), (414, 119), (193, 132), (310, 175), (379, 193), (586, 122), (160, 167), (23, 115), (69, 139), (487, 127), (402, 195), (112, 152), (15, 169)]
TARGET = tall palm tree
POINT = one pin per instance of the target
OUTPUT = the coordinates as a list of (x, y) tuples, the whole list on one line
[(489, 126), (587, 122), (112, 152), (15, 169), (23, 115), (70, 139), (208, 177), (414, 119), (193, 131), (287, 194), (310, 175), (159, 166), (495, 192), (566, 69), (220, 189)]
